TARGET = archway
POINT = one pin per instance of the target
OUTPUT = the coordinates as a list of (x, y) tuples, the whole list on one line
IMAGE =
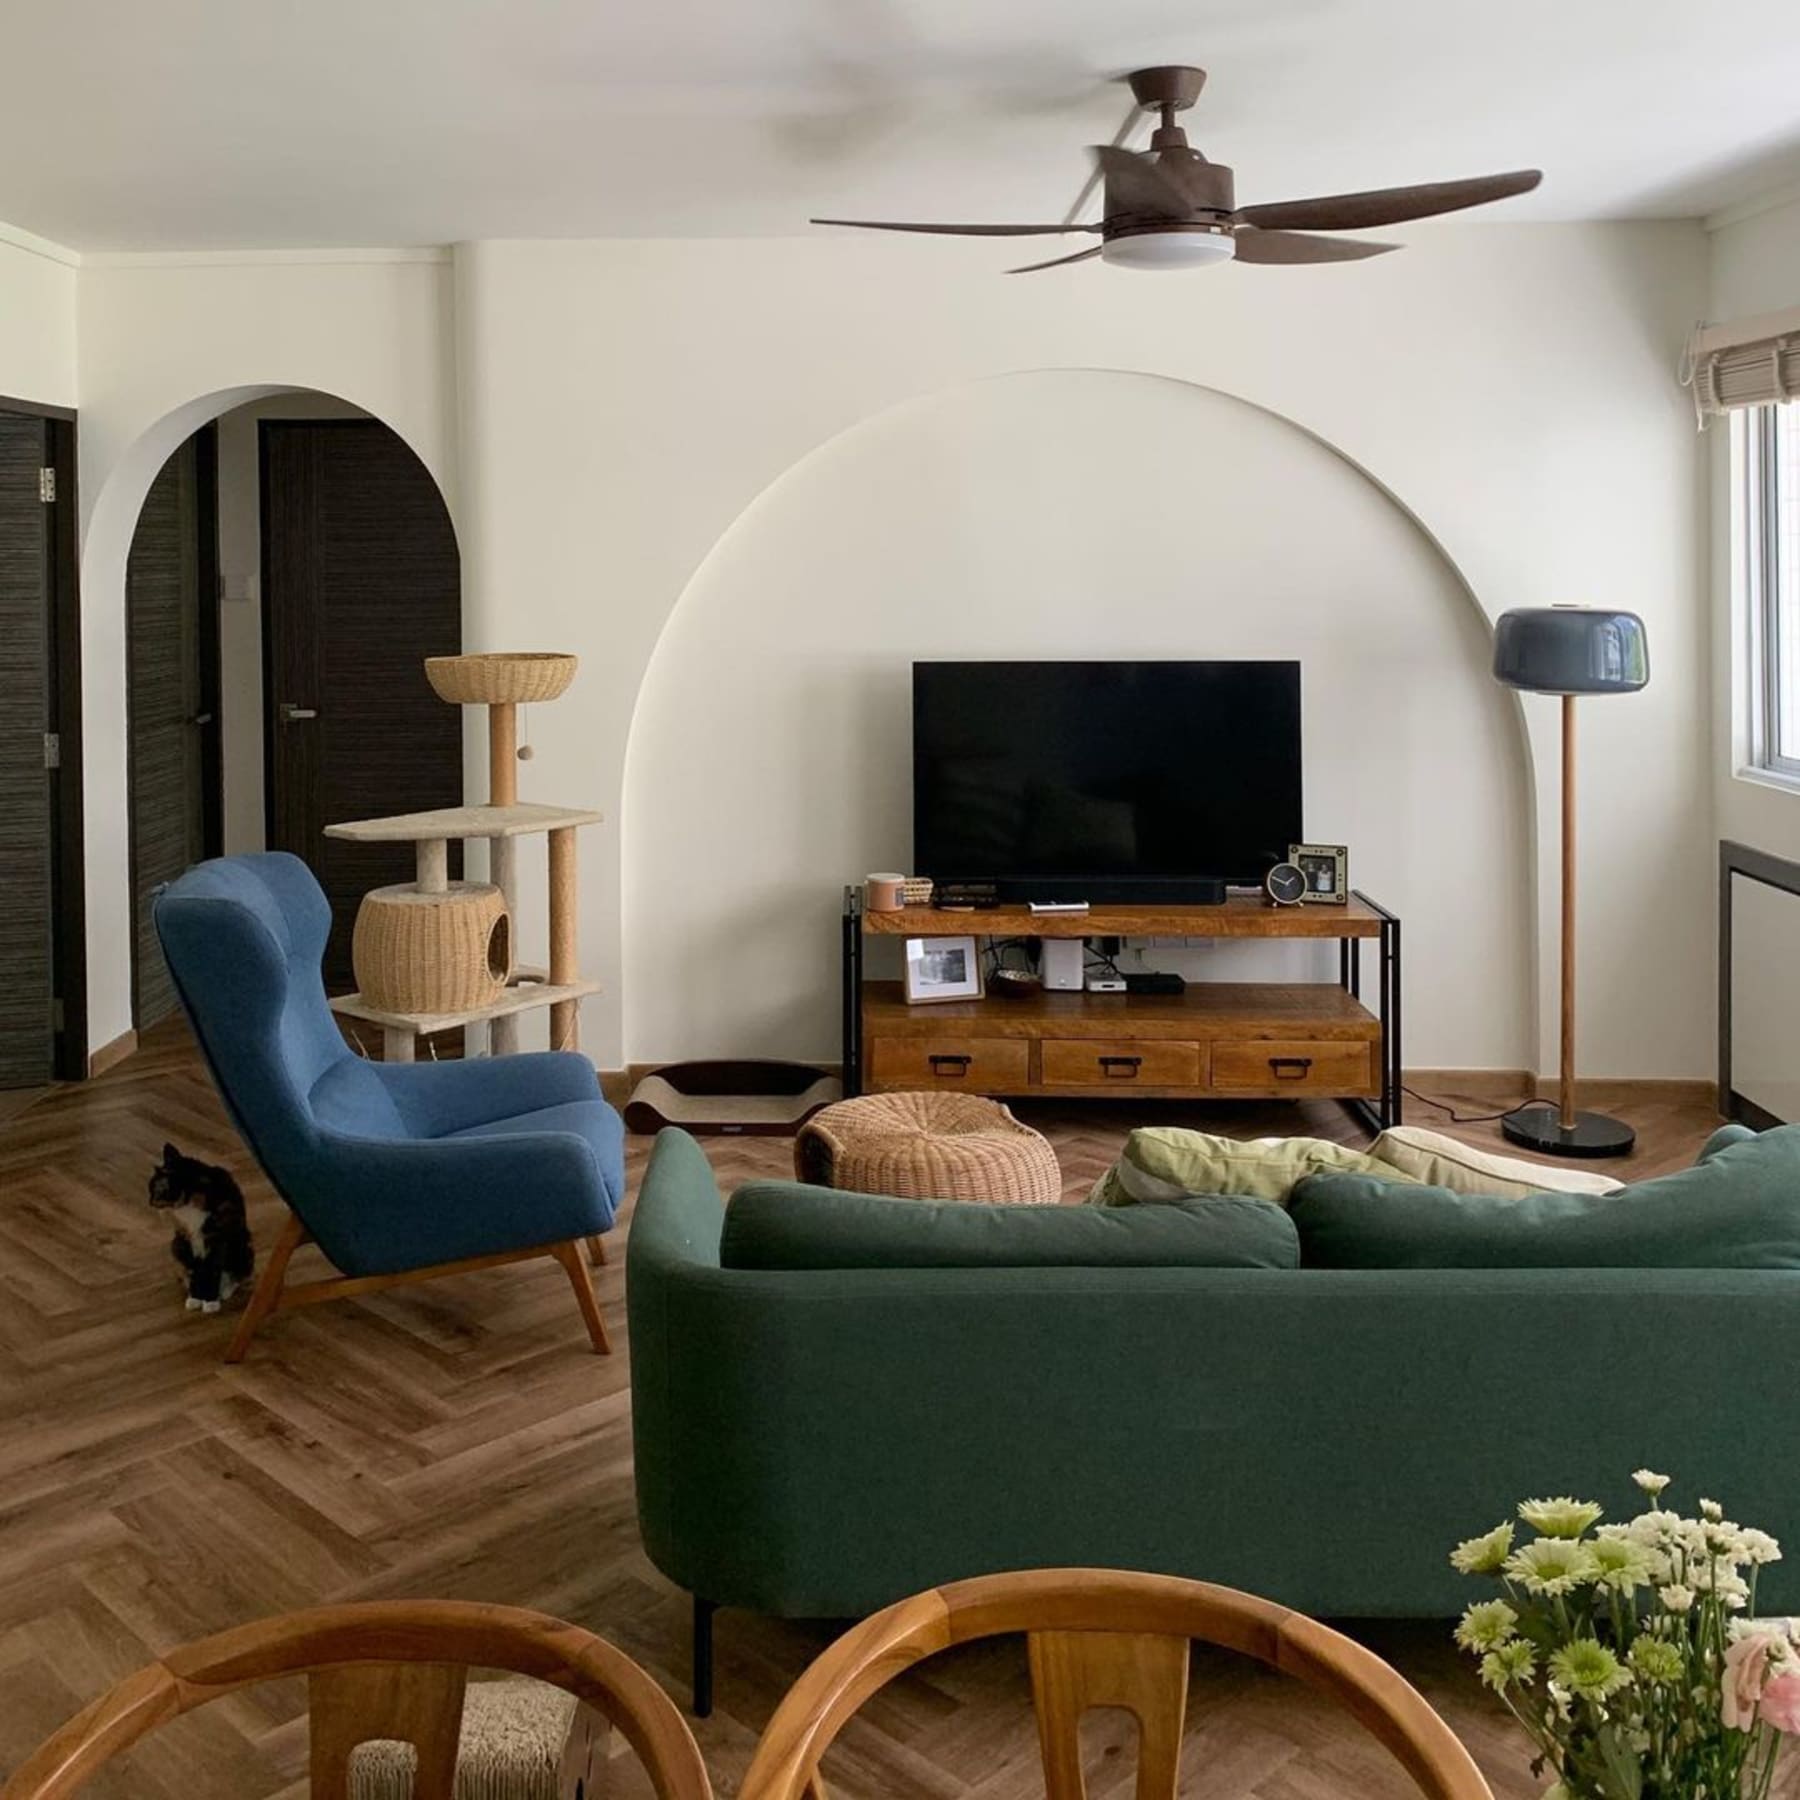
[(1056, 514), (354, 572)]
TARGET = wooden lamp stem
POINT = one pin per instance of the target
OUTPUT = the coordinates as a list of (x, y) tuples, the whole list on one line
[(1567, 1097)]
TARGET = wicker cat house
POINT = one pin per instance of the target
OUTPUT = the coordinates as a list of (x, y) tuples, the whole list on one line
[(423, 952)]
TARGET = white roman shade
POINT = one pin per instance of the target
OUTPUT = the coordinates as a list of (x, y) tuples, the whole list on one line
[(1749, 363)]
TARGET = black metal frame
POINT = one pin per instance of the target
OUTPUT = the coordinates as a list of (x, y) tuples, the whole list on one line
[(853, 978), (1377, 1115), (1773, 871), (1389, 1109)]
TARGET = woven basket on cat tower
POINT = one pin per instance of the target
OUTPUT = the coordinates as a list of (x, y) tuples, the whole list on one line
[(422, 952)]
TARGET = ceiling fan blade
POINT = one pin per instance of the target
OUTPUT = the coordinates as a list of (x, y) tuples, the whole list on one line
[(1137, 183), (1255, 246), (1388, 206), (957, 230), (1057, 262)]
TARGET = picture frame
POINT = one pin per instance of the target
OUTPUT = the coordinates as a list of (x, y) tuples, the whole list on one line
[(941, 968), (1327, 871)]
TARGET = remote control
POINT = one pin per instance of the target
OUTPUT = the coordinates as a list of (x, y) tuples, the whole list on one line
[(1059, 906)]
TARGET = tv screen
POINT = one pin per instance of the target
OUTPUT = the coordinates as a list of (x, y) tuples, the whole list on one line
[(1104, 781)]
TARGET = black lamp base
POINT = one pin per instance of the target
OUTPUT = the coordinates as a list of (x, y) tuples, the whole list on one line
[(1538, 1126)]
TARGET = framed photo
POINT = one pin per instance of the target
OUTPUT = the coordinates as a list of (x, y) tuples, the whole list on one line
[(942, 968), (1327, 871)]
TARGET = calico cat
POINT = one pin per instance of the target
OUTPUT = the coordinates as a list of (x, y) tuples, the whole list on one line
[(212, 1237)]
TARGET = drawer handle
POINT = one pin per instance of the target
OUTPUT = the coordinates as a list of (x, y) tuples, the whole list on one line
[(1290, 1068), (1121, 1068), (950, 1065)]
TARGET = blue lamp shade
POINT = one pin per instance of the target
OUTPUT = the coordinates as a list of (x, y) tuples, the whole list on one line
[(1571, 650)]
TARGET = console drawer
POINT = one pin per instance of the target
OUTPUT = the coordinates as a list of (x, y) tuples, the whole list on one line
[(998, 1064), (1297, 1066), (1122, 1062)]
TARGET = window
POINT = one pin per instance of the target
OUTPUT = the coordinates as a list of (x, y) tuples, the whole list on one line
[(1769, 463)]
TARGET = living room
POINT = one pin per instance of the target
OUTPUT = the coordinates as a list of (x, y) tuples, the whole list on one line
[(756, 477)]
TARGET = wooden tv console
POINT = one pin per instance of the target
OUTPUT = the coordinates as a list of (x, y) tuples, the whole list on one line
[(1217, 1040)]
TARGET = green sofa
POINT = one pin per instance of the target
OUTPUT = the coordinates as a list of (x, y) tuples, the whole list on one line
[(819, 1441)]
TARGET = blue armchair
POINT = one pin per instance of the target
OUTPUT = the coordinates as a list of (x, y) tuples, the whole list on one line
[(398, 1171)]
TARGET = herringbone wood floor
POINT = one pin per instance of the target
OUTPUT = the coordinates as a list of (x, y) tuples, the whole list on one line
[(459, 1440)]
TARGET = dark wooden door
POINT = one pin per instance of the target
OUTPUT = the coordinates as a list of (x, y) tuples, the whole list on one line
[(172, 640), (362, 582), (27, 919)]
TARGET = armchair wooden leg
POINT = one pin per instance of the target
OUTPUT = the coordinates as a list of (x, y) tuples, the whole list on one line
[(597, 1250), (582, 1281), (266, 1295)]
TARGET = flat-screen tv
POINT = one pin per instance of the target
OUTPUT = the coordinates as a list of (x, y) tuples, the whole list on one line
[(1105, 781)]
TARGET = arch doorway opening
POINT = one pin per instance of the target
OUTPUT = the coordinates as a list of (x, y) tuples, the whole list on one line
[(292, 566)]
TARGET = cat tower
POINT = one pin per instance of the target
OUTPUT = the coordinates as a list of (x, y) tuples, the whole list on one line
[(439, 954)]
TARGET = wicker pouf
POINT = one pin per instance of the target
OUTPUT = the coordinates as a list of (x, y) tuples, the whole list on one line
[(928, 1147)]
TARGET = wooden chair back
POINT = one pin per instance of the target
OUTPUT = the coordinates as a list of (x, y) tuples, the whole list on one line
[(1103, 1638), (385, 1669)]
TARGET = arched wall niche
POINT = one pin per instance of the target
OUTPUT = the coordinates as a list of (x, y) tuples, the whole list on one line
[(1059, 513)]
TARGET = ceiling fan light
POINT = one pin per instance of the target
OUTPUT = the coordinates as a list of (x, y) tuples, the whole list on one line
[(1169, 249)]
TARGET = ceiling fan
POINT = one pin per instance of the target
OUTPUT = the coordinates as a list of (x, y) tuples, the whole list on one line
[(1167, 207)]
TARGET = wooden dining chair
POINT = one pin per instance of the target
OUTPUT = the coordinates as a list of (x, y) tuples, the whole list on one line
[(388, 1669), (1103, 1638)]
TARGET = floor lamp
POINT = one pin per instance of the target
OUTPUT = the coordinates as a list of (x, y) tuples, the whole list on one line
[(1569, 650)]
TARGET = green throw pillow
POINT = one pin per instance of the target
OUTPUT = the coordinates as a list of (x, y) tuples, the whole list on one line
[(1723, 1139), (1163, 1163), (787, 1225), (1737, 1208)]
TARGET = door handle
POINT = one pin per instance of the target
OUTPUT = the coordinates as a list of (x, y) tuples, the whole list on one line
[(950, 1065), (290, 714), (1121, 1068), (1290, 1068), (201, 719)]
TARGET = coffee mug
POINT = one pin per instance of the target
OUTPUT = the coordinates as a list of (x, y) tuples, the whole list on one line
[(884, 893)]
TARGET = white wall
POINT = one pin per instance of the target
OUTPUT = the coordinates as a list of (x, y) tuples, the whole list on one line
[(602, 413), (37, 319), (1755, 268), (1062, 514), (241, 605), (165, 344), (624, 403)]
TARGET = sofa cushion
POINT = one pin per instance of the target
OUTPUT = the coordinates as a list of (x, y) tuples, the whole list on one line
[(1739, 1208), (1444, 1162), (786, 1225), (1165, 1163)]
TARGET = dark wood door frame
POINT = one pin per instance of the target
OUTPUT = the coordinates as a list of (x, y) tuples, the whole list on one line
[(212, 733), (208, 721), (69, 878)]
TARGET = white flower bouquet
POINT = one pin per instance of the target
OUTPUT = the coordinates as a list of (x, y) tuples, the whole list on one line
[(1631, 1653)]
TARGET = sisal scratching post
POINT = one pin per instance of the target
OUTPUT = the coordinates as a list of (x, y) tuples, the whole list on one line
[(503, 754), (565, 1021), (503, 862)]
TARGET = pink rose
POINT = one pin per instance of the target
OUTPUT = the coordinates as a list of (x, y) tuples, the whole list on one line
[(1781, 1701), (1746, 1672)]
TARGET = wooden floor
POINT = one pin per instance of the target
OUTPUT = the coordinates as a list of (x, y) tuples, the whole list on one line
[(459, 1440)]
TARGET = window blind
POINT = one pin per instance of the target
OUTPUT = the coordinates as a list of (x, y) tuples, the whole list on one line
[(1749, 363)]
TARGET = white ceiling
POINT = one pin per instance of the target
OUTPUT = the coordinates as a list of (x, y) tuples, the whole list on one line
[(198, 124)]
